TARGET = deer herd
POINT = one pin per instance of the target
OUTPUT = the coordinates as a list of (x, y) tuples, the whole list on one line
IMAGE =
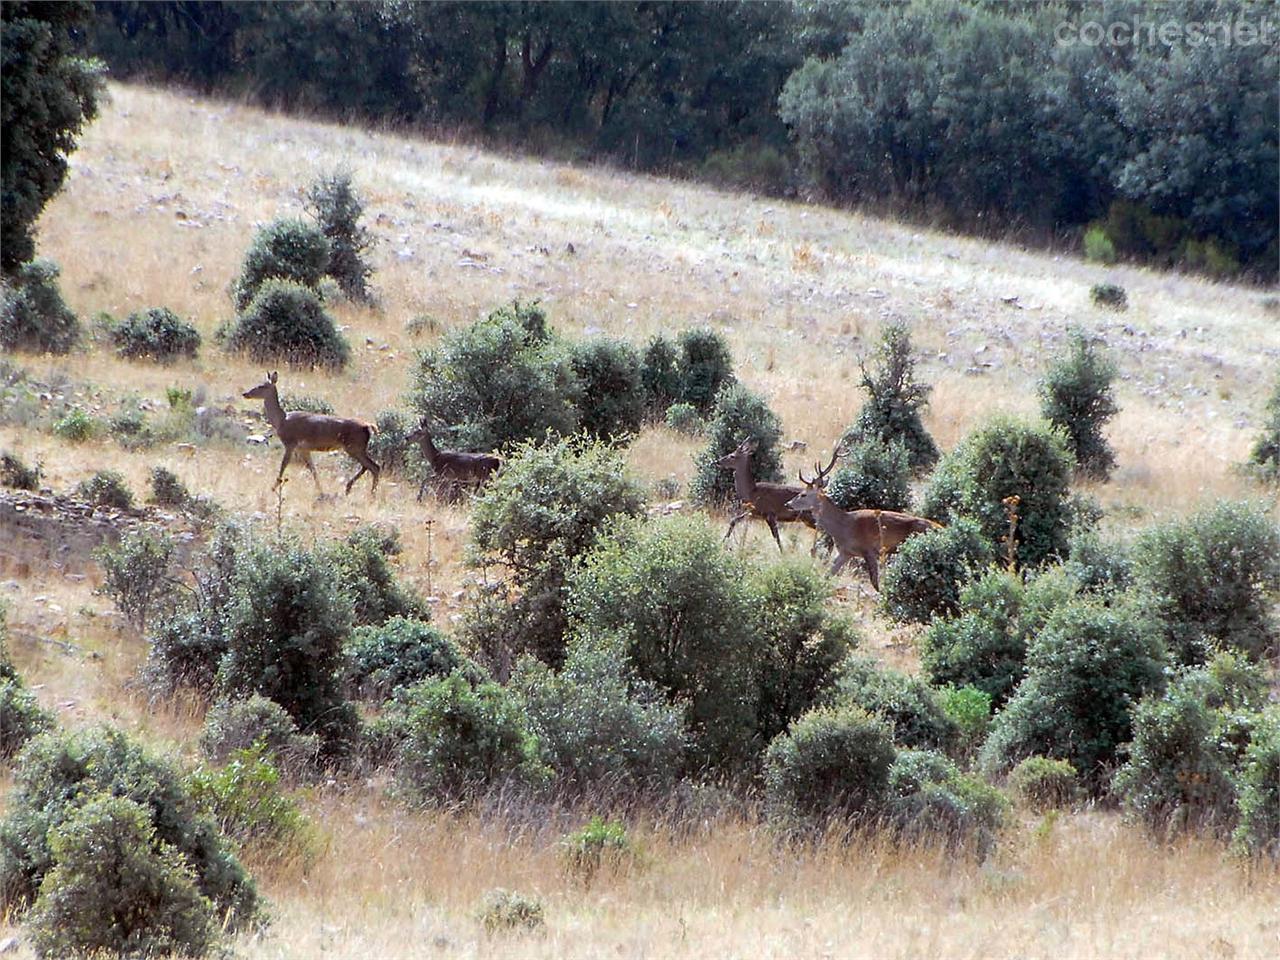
[(870, 535)]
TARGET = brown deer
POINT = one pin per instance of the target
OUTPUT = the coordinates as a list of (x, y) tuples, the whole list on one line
[(869, 534), (455, 467), (768, 501), (306, 433)]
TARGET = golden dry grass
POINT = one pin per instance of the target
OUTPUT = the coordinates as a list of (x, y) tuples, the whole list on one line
[(163, 198)]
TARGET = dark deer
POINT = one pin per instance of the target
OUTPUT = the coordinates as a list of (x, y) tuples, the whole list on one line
[(869, 534), (767, 501), (454, 467), (306, 433)]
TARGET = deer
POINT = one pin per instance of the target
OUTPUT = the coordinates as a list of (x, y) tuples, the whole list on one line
[(767, 501), (305, 433), (452, 465), (870, 534)]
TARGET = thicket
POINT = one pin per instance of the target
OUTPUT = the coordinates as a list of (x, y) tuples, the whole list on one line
[(1265, 454), (155, 334), (926, 574), (399, 653), (33, 315), (909, 705), (1076, 397), (286, 321), (611, 388), (333, 203), (232, 726), (738, 414), (873, 475), (895, 401), (287, 250)]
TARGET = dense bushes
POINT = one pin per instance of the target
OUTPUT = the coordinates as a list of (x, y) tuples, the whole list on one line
[(399, 653), (286, 321), (873, 475), (235, 725), (895, 401), (106, 488), (337, 209), (16, 474), (1044, 784), (706, 367), (928, 570), (155, 334), (21, 716), (360, 563), (287, 250), (660, 374), (612, 392), (1265, 455), (33, 315), (928, 798), (737, 415), (1259, 782), (1076, 397), (907, 704), (138, 575)]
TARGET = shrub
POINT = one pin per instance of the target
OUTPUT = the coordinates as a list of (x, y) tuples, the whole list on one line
[(1109, 295), (399, 653), (33, 315), (600, 844), (500, 381), (1259, 831), (502, 911), (929, 798), (58, 774), (611, 394), (233, 726), (106, 488), (1265, 454), (285, 321), (1213, 577), (602, 729), (926, 574), (660, 374), (155, 334), (1044, 784), (832, 764), (21, 716), (801, 643), (245, 799), (291, 402), (1077, 398), (874, 475), (1085, 670), (738, 414), (284, 250), (458, 740), (361, 566), (337, 209), (666, 590), (706, 367), (16, 474), (167, 490), (684, 418), (1099, 566), (906, 703), (895, 401), (284, 626), (970, 710), (76, 426), (545, 508), (138, 575), (118, 889), (388, 446), (1098, 247)]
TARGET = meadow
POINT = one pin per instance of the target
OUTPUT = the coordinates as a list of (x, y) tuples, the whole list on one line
[(164, 195)]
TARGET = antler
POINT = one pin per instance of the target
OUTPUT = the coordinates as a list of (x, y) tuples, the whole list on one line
[(824, 471)]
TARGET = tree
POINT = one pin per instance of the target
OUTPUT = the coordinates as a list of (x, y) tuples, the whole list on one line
[(49, 94), (1076, 396), (894, 401)]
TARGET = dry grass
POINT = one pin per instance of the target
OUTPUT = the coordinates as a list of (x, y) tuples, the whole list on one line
[(162, 201)]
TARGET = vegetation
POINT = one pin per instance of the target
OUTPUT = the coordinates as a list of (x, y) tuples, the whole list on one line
[(285, 321), (16, 474), (155, 334), (895, 401), (138, 575), (1044, 784), (287, 250), (873, 475), (738, 413), (927, 572), (399, 653), (337, 208), (33, 315), (611, 390), (1076, 397), (1265, 455), (233, 726), (106, 488)]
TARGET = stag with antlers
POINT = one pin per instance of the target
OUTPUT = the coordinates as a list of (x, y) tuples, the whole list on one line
[(453, 467), (305, 433), (869, 534), (766, 501)]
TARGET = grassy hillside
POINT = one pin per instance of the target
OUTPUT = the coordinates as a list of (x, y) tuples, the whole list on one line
[(164, 195)]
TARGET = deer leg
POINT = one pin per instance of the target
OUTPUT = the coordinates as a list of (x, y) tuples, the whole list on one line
[(841, 559), (422, 489), (288, 455), (366, 465), (306, 462), (770, 519), (873, 568), (735, 521)]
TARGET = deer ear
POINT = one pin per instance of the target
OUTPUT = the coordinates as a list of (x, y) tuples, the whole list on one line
[(752, 445), (272, 376)]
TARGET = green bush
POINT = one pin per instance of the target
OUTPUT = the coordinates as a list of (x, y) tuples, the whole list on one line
[(117, 889), (1214, 577), (684, 418), (502, 380), (1098, 247), (388, 446), (1099, 566), (612, 397), (1259, 831), (503, 911), (927, 572), (1086, 669), (283, 250), (599, 845), (738, 414), (286, 321), (245, 799), (831, 765), (155, 334), (167, 490), (138, 574), (970, 710), (1076, 396), (337, 209), (106, 488), (801, 644), (399, 653), (1044, 784), (232, 726), (361, 565), (1109, 295), (668, 592), (58, 774), (928, 799), (33, 315), (660, 374), (602, 729), (1265, 455), (706, 367), (873, 475), (21, 716), (76, 426), (456, 741), (907, 704), (16, 474), (291, 402), (544, 509), (895, 401)]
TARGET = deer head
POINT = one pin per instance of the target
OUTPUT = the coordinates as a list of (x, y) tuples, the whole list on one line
[(741, 454), (808, 498), (262, 390)]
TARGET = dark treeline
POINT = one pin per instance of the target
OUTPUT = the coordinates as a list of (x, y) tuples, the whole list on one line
[(981, 115)]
